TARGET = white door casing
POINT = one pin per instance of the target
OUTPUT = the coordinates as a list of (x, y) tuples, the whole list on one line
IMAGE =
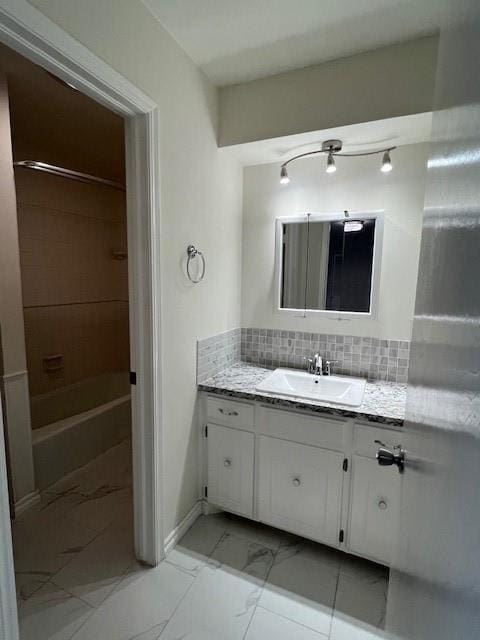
[(34, 36)]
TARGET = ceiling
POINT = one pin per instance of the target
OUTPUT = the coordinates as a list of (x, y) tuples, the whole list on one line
[(236, 41), (366, 136)]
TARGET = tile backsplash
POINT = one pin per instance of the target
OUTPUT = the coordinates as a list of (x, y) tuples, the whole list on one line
[(358, 356), (218, 352), (367, 357)]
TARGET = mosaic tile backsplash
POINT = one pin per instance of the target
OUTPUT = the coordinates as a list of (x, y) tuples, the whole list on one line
[(218, 352), (357, 356), (365, 357)]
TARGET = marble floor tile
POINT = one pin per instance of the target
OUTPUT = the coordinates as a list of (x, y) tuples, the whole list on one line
[(204, 535), (186, 560), (291, 546), (139, 606), (52, 614), (219, 605), (112, 468), (362, 600), (39, 553), (359, 567), (302, 587), (344, 628), (254, 531), (242, 555), (94, 572), (266, 625), (103, 506)]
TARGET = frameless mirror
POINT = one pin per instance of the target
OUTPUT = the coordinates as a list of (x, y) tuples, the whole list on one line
[(327, 264)]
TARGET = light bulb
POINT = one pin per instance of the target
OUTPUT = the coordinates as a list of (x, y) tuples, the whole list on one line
[(331, 168), (284, 179), (386, 162)]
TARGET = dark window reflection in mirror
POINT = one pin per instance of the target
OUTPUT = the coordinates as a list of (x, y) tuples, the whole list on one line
[(327, 265)]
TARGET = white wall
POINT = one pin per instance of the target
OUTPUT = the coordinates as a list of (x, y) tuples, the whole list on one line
[(358, 184), (384, 83), (201, 190)]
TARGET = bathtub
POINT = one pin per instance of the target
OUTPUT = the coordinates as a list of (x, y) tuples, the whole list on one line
[(74, 424)]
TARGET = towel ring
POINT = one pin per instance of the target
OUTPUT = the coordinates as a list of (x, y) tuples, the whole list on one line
[(192, 252)]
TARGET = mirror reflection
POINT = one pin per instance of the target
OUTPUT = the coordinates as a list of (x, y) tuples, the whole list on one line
[(327, 265)]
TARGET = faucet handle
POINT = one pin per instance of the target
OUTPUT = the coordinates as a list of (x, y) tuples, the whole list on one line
[(328, 366), (310, 363)]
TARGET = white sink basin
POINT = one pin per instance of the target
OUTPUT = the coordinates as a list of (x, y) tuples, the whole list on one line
[(333, 389)]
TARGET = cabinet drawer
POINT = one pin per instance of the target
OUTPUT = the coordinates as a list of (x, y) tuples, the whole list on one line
[(230, 413), (300, 488), (364, 439), (317, 431), (230, 469)]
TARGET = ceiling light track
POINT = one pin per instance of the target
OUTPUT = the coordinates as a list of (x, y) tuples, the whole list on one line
[(333, 148)]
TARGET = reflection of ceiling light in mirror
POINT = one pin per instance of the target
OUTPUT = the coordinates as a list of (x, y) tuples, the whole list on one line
[(331, 168), (352, 225), (284, 179), (386, 162)]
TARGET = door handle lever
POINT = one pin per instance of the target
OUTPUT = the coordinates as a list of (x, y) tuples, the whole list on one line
[(386, 457)]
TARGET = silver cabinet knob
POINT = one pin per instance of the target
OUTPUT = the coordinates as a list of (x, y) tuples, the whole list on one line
[(296, 482), (227, 462), (382, 505)]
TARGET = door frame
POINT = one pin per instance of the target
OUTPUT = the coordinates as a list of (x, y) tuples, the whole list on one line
[(30, 33)]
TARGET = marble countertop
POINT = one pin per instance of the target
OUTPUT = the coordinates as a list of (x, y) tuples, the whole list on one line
[(383, 402)]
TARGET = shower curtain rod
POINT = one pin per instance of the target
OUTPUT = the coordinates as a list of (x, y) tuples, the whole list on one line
[(67, 173)]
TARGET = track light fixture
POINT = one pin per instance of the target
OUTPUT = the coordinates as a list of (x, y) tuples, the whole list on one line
[(331, 168), (333, 148), (386, 162), (284, 179)]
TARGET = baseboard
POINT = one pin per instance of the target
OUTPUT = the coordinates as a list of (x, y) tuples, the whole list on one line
[(26, 503), (208, 509), (183, 526)]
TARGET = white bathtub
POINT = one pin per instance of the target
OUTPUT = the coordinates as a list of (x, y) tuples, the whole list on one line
[(63, 445)]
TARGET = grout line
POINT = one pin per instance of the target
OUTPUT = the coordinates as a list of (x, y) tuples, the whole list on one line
[(48, 210), (73, 304), (334, 608)]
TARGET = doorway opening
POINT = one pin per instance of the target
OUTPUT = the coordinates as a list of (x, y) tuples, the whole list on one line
[(70, 187)]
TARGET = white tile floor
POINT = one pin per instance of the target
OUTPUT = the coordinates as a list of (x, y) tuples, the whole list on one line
[(227, 579)]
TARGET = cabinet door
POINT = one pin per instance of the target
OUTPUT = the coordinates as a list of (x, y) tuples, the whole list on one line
[(230, 469), (300, 488), (375, 500)]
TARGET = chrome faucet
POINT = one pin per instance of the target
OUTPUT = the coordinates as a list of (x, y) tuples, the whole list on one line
[(315, 364), (318, 364), (320, 367)]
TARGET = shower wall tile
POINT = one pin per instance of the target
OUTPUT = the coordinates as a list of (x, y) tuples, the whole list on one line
[(75, 293), (357, 356), (216, 353)]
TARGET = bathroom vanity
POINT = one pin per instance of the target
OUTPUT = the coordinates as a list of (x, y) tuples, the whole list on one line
[(303, 466)]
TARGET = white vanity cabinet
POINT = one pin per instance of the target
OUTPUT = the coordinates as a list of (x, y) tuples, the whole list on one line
[(231, 469), (300, 488), (375, 495), (311, 474)]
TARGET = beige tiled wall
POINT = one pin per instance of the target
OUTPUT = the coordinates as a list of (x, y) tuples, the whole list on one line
[(75, 293)]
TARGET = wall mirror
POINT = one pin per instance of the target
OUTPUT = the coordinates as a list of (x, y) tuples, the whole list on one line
[(328, 263)]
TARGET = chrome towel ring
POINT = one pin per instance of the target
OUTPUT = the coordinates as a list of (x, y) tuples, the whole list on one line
[(192, 253)]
